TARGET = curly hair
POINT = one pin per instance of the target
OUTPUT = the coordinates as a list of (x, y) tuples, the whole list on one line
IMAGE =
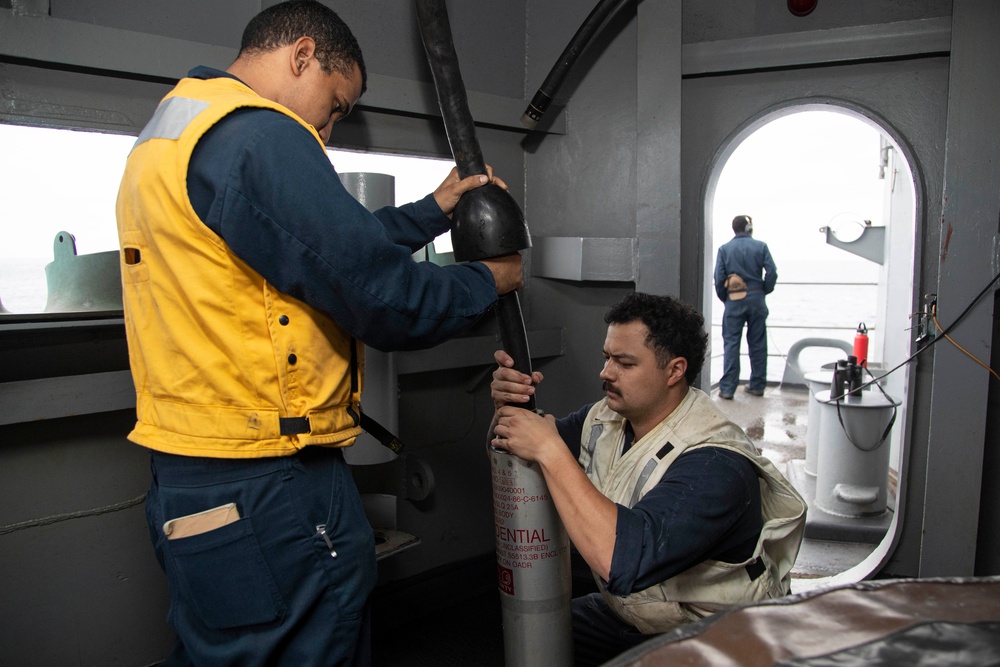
[(281, 24), (675, 328)]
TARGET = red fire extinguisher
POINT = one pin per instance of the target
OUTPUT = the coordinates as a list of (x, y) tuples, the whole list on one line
[(861, 345)]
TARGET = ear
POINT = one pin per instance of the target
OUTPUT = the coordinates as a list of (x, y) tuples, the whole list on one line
[(302, 53), (676, 368)]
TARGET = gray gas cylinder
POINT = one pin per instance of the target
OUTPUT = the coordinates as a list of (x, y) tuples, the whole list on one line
[(533, 566)]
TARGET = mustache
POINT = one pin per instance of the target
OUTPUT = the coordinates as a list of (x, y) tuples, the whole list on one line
[(607, 386)]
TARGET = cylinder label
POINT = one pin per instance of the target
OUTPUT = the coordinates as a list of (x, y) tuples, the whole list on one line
[(528, 530)]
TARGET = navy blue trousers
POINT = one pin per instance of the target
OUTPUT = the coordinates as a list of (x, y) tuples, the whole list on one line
[(750, 312), (598, 633), (266, 589)]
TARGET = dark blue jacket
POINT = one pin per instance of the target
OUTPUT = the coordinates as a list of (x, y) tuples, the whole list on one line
[(748, 258), (321, 245)]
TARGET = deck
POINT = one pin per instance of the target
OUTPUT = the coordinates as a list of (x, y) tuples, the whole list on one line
[(777, 423)]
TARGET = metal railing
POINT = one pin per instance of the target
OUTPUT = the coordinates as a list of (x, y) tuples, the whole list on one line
[(841, 326)]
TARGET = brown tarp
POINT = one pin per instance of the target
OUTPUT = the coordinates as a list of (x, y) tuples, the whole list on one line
[(886, 622)]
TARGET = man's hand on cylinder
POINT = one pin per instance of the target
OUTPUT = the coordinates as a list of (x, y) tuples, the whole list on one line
[(518, 431), (510, 385), (525, 434)]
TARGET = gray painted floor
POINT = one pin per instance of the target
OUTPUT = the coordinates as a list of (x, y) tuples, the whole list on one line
[(777, 423)]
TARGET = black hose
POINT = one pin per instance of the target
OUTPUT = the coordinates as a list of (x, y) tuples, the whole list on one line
[(543, 98), (435, 30), (488, 222), (513, 337)]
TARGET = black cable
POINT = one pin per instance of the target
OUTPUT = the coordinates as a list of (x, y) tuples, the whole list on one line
[(56, 518), (554, 80), (875, 380), (435, 31), (885, 432), (932, 342)]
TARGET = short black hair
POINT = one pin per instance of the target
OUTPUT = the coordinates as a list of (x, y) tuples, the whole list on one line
[(740, 223), (281, 24), (675, 328)]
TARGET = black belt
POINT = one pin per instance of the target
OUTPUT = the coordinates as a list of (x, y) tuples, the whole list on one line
[(294, 425), (381, 433), (299, 425)]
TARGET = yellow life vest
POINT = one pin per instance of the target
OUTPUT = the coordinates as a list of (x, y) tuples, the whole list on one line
[(224, 365), (710, 586)]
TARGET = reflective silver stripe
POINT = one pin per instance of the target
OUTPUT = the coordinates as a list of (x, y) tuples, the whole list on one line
[(170, 119), (595, 433), (647, 470)]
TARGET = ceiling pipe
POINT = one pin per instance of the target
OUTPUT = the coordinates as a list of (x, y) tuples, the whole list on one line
[(550, 86)]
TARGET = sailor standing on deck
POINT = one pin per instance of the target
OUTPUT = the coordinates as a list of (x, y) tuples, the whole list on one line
[(740, 285)]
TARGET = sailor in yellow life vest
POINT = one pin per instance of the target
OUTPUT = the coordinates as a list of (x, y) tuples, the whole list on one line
[(252, 281)]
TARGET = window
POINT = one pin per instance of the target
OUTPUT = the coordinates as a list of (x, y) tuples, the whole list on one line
[(56, 182), (415, 177), (53, 181)]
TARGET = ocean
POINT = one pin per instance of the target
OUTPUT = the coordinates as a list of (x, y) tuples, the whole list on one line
[(22, 284)]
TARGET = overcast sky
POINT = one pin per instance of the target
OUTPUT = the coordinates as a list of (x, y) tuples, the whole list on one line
[(799, 173)]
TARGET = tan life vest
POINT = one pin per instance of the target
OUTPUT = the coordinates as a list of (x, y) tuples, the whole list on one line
[(710, 586), (224, 364)]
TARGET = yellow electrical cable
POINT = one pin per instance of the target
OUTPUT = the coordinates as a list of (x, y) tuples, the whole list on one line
[(952, 341)]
